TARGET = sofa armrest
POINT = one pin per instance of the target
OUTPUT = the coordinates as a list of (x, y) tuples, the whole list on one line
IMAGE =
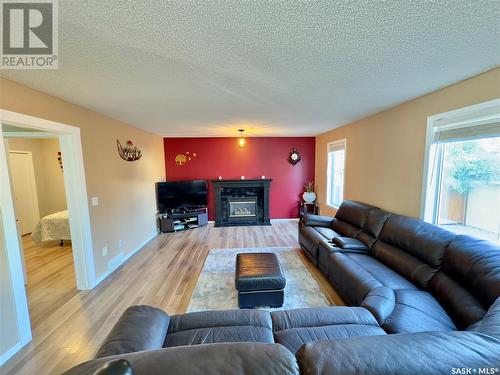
[(406, 353), (139, 328), (348, 243), (311, 220)]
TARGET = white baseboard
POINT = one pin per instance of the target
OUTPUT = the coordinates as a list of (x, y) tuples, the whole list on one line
[(283, 220), (114, 265), (272, 220)]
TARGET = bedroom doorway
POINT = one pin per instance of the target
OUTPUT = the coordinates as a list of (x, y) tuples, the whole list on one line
[(13, 293), (37, 179)]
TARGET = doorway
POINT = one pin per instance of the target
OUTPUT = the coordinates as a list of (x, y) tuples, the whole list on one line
[(79, 219), (24, 191)]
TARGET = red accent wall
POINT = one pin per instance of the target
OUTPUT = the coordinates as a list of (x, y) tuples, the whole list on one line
[(261, 157)]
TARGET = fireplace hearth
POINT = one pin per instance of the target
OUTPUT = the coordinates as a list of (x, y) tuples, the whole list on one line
[(241, 202)]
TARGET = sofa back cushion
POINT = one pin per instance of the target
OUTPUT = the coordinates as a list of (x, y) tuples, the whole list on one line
[(412, 247), (350, 218), (373, 226), (469, 280)]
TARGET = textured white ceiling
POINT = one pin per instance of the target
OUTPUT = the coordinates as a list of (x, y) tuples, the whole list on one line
[(206, 68)]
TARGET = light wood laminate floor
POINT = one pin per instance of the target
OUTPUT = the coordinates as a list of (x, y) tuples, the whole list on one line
[(163, 274)]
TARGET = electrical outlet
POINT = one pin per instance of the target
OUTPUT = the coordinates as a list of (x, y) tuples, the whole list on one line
[(104, 251), (95, 201), (120, 244)]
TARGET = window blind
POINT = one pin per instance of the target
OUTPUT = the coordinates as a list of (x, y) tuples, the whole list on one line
[(466, 132)]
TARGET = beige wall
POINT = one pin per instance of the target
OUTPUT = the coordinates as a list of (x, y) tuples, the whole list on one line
[(48, 174), (385, 152), (125, 189)]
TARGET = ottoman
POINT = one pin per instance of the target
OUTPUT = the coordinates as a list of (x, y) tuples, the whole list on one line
[(259, 280)]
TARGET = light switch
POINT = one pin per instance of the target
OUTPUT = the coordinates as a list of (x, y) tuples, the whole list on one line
[(95, 201)]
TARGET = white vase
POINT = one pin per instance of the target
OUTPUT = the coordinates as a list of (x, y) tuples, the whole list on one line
[(309, 197)]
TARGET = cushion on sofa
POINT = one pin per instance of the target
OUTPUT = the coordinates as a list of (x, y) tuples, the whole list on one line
[(327, 233), (215, 359), (490, 324), (218, 326), (311, 220), (348, 243), (294, 328), (350, 218), (469, 280), (423, 353), (383, 274), (412, 248), (139, 328), (373, 226), (417, 311), (380, 302)]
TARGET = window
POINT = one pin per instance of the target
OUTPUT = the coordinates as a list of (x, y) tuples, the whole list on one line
[(335, 173), (463, 183)]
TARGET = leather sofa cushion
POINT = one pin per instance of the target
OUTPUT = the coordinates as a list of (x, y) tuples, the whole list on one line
[(417, 311), (469, 279), (207, 327), (462, 306), (348, 243), (373, 226), (258, 271), (351, 281), (386, 276), (139, 328), (490, 324), (380, 302), (321, 316), (353, 213), (327, 233), (475, 264), (294, 328), (318, 221), (293, 339), (216, 359), (416, 237), (425, 353)]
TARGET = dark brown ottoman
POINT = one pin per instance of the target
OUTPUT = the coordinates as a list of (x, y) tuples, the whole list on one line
[(259, 279)]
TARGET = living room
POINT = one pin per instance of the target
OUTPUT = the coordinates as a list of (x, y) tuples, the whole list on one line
[(301, 187)]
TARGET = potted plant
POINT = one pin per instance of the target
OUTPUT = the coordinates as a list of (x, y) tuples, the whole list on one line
[(309, 195)]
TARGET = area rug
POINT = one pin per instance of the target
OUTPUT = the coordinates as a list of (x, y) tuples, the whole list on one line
[(215, 288)]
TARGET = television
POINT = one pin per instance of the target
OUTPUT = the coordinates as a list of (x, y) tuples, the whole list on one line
[(181, 195)]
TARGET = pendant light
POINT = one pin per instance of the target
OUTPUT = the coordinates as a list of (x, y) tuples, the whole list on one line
[(241, 141)]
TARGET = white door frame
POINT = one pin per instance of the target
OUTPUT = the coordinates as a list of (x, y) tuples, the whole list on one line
[(76, 192)]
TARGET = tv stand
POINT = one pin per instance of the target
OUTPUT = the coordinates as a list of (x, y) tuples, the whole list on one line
[(178, 220)]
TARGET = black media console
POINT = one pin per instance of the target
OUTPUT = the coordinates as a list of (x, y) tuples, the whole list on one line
[(183, 220)]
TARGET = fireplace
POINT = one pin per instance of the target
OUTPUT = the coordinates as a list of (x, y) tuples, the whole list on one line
[(241, 202), (239, 208)]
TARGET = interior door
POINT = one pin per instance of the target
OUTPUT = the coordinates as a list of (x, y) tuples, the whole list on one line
[(24, 190)]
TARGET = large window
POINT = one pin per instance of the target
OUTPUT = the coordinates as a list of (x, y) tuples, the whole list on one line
[(335, 173), (463, 176)]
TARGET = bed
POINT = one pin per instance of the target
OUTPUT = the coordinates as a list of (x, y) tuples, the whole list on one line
[(53, 227)]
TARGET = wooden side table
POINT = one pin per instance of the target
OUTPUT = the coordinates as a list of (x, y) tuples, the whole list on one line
[(307, 208)]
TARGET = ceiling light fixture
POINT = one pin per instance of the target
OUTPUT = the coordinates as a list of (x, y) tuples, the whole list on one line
[(241, 141)]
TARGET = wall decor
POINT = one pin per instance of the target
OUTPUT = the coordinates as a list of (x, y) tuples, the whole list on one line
[(181, 159), (129, 152), (294, 156), (59, 159)]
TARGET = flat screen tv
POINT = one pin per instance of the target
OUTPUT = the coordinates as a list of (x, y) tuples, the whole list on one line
[(181, 195)]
